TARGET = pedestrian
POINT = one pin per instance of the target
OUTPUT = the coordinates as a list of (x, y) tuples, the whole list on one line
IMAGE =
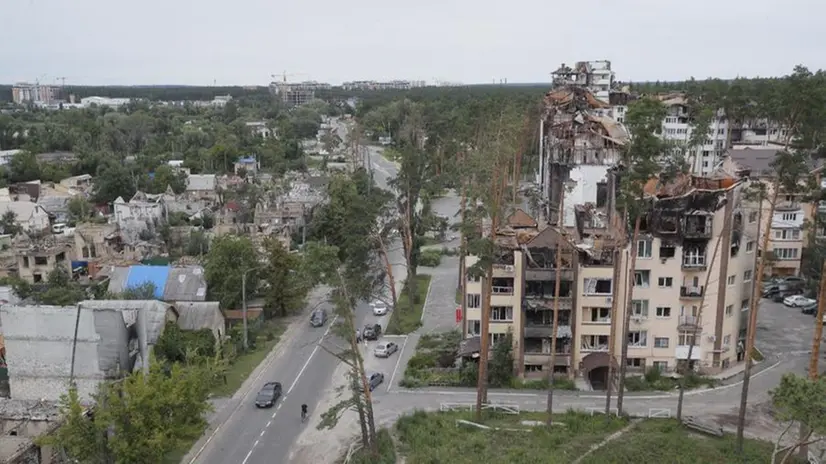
[(358, 336), (740, 351)]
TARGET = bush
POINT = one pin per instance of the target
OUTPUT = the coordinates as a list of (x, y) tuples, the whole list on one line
[(430, 258)]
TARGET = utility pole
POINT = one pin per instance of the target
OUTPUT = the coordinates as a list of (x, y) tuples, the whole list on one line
[(555, 329)]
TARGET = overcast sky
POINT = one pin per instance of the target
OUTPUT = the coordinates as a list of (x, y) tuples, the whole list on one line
[(244, 42)]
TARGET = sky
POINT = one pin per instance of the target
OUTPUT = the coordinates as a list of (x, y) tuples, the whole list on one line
[(245, 42)]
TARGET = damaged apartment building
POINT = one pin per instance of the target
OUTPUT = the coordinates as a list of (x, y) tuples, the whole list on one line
[(693, 252)]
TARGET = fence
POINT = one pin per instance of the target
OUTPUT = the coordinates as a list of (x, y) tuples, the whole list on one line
[(507, 408)]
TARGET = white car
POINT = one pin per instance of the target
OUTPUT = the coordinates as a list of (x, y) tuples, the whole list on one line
[(385, 349), (797, 300), (379, 308)]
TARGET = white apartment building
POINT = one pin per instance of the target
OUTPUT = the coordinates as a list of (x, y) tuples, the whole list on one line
[(23, 93)]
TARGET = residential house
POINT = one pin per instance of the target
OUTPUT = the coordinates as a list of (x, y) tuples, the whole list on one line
[(96, 244), (22, 422), (31, 217), (142, 207), (261, 129), (37, 258), (202, 187), (81, 183), (199, 315), (249, 164), (55, 203), (180, 283)]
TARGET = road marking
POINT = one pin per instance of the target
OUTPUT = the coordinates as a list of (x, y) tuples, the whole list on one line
[(273, 414), (269, 360), (315, 350), (398, 360), (262, 433), (249, 453), (269, 423)]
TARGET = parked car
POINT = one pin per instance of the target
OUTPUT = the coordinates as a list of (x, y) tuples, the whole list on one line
[(371, 332), (374, 379), (318, 317), (809, 308), (797, 300), (379, 308), (385, 349), (268, 395)]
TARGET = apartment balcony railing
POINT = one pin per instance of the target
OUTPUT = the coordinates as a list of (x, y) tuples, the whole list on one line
[(787, 206), (502, 290), (689, 293), (548, 274), (694, 263), (563, 358), (503, 270), (539, 330), (688, 323)]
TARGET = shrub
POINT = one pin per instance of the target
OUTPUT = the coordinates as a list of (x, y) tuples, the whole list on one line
[(430, 258)]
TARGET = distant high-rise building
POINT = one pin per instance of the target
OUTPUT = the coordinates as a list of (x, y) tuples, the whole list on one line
[(23, 93), (295, 94)]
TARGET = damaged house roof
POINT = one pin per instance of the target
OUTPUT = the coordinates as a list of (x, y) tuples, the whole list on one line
[(573, 95), (521, 219)]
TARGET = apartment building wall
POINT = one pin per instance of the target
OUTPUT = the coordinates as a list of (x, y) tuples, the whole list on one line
[(505, 301)]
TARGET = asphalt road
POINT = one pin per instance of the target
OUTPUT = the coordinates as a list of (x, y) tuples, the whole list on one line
[(249, 435)]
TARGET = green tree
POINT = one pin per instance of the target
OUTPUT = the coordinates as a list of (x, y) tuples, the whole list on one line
[(8, 222), (179, 346), (80, 437), (644, 157), (286, 286), (80, 209), (165, 177), (229, 257), (23, 167), (799, 400), (113, 180)]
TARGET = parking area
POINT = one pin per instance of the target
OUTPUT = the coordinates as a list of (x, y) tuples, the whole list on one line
[(386, 366), (783, 330)]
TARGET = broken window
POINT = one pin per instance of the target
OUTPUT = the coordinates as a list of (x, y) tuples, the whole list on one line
[(638, 338), (474, 300), (60, 257), (642, 278), (25, 261), (594, 343), (639, 308), (597, 286), (668, 224), (644, 249), (40, 261), (687, 338), (85, 252), (602, 194), (667, 250), (597, 315), (37, 277)]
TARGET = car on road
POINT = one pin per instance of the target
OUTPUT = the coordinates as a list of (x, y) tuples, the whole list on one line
[(318, 317), (797, 300), (268, 395), (371, 332), (379, 308), (374, 379), (809, 308), (385, 349)]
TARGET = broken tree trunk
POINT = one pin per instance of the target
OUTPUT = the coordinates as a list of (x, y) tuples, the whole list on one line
[(626, 319)]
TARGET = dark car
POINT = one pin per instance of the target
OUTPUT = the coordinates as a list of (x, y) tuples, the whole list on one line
[(809, 308), (318, 318), (374, 379), (268, 395), (371, 332)]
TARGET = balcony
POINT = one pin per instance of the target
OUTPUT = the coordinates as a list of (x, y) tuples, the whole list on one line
[(548, 274), (787, 206), (688, 323), (681, 352), (541, 330), (697, 226), (692, 262), (690, 293), (542, 358), (503, 270), (502, 290)]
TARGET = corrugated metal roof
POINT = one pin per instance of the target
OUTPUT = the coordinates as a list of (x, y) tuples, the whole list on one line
[(196, 315), (117, 279), (185, 284), (157, 275), (155, 313)]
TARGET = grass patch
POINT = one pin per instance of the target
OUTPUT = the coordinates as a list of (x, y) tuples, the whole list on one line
[(666, 440), (387, 453), (404, 319), (458, 299), (242, 366), (435, 437), (428, 241), (653, 380)]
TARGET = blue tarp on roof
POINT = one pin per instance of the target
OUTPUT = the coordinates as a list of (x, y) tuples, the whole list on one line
[(157, 275), (247, 160)]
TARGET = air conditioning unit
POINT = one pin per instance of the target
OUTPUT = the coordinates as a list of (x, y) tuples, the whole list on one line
[(509, 268)]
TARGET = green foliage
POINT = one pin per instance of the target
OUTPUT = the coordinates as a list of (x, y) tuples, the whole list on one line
[(653, 380), (430, 258), (23, 167), (179, 346), (803, 400), (644, 157), (405, 319), (80, 209), (287, 287), (144, 291), (501, 364), (387, 452), (166, 176), (113, 180), (8, 222), (227, 259), (148, 417)]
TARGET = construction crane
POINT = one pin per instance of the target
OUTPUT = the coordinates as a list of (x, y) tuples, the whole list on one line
[(284, 75), (62, 80)]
